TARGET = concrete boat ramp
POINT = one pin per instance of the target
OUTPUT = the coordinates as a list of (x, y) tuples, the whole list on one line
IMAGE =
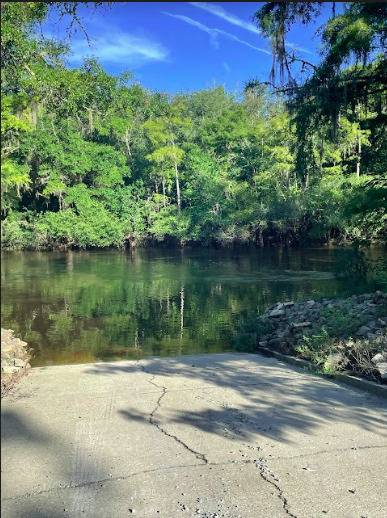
[(209, 436)]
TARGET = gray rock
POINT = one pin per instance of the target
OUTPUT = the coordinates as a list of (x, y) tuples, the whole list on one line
[(275, 343), (382, 368), (275, 313), (363, 330), (10, 369), (378, 358), (376, 324), (301, 324)]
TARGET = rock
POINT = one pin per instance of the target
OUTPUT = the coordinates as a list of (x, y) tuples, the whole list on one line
[(378, 358), (363, 330), (382, 368), (10, 369), (263, 343), (288, 304), (275, 343), (376, 324), (275, 313), (383, 321), (14, 360), (301, 324)]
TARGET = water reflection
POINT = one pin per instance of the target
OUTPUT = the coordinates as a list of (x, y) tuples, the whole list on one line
[(79, 307)]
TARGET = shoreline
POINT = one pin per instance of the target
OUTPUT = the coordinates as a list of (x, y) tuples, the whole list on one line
[(336, 336), (15, 357)]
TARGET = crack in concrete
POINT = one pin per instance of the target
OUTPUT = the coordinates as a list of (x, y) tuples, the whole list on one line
[(262, 469), (101, 481), (338, 450), (152, 421), (285, 504), (62, 487)]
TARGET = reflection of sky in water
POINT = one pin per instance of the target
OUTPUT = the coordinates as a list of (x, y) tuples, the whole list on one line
[(86, 306)]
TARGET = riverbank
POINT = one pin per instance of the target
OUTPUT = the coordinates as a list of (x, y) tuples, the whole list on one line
[(15, 357), (336, 335)]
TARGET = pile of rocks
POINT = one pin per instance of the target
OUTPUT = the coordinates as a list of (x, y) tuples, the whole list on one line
[(380, 362), (287, 323), (14, 360)]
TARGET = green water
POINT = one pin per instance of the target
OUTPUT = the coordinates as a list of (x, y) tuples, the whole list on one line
[(77, 307)]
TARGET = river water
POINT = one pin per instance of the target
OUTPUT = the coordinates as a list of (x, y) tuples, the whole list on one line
[(77, 307)]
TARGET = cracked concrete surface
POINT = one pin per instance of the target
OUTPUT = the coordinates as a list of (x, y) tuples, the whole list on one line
[(222, 435)]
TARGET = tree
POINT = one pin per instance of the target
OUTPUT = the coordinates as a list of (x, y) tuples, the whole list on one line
[(165, 134)]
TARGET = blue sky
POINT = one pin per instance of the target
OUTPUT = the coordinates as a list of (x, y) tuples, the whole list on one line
[(182, 46)]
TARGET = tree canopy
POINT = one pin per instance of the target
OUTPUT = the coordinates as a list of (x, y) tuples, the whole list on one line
[(95, 160)]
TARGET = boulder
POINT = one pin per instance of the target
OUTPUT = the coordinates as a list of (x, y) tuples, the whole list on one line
[(275, 343), (378, 358), (10, 369), (363, 331), (301, 324), (382, 368), (275, 313)]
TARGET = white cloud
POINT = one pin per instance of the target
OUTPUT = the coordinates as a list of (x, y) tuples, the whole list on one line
[(226, 66), (214, 33), (219, 11), (119, 48), (293, 46)]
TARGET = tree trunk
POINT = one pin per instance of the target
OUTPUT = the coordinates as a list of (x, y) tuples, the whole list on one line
[(177, 183), (164, 195), (91, 122), (127, 135), (259, 238), (358, 157)]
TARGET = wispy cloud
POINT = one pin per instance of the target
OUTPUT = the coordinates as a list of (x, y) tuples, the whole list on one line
[(215, 33), (226, 66), (293, 46), (220, 12), (119, 48)]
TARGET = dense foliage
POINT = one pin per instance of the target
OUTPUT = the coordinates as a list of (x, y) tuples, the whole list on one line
[(94, 160)]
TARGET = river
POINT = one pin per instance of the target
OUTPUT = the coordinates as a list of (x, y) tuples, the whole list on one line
[(87, 306)]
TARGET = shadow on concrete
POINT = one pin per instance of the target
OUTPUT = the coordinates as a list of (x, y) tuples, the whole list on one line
[(278, 399), (60, 460)]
